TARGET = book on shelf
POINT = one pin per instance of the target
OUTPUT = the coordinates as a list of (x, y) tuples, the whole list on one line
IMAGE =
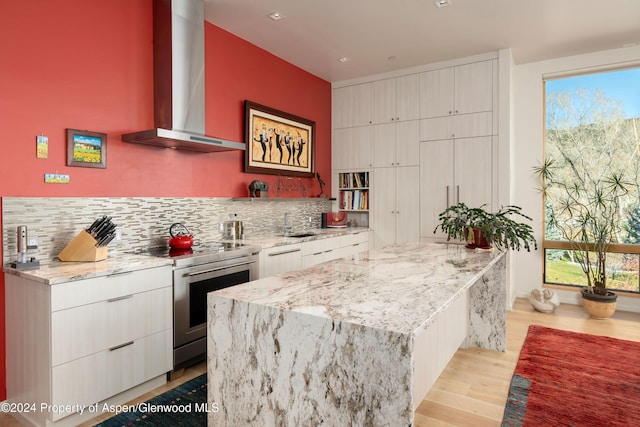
[(354, 180), (354, 200)]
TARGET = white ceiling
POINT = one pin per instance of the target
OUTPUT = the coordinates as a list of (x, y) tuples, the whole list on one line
[(415, 32)]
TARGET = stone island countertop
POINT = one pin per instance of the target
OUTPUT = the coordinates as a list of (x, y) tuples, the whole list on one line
[(357, 341)]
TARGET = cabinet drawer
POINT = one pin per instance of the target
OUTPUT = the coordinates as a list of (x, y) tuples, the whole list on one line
[(101, 375), (348, 251), (88, 291), (315, 247), (280, 259), (87, 329), (354, 239)]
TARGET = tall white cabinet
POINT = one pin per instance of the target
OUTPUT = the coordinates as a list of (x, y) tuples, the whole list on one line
[(453, 171), (429, 139)]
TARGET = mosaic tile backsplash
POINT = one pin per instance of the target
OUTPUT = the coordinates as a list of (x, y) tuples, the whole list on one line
[(145, 222)]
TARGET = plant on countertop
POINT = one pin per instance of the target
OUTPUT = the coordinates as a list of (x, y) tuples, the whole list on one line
[(498, 228), (587, 214)]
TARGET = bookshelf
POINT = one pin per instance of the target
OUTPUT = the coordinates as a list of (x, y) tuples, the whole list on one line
[(353, 196)]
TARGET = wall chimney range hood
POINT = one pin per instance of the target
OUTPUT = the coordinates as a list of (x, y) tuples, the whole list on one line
[(178, 80)]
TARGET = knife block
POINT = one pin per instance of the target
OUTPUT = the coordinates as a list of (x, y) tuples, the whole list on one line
[(83, 248)]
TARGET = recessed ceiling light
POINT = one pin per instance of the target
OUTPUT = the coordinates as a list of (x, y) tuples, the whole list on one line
[(344, 59), (276, 16), (443, 3)]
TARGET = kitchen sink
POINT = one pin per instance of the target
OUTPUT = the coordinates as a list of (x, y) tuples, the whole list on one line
[(301, 235)]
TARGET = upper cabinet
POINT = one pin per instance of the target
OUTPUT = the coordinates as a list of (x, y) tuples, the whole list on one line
[(351, 148), (351, 105), (382, 101), (396, 99), (462, 89), (396, 144)]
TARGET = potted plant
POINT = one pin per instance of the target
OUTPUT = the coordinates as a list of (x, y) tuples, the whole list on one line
[(487, 229), (586, 212)]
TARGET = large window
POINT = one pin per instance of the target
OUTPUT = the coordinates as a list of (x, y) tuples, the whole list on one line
[(592, 128)]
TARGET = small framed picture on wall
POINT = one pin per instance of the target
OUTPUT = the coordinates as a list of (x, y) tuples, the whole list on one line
[(86, 149)]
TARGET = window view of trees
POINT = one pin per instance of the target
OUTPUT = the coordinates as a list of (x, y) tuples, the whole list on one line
[(592, 136)]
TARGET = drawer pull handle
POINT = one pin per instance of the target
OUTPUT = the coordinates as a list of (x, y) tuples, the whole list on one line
[(317, 253), (330, 250), (120, 298), (121, 346), (290, 251), (122, 273)]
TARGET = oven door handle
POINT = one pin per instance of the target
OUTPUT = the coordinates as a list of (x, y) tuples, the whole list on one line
[(211, 270)]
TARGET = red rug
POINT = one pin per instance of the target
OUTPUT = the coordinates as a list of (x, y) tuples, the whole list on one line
[(571, 379)]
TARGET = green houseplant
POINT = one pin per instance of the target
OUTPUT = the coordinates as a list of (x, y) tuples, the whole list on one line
[(585, 210), (498, 229)]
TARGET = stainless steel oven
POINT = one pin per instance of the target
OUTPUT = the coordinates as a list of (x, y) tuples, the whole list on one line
[(190, 288), (197, 271)]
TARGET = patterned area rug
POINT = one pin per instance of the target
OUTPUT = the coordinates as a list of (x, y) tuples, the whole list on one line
[(184, 406), (571, 379)]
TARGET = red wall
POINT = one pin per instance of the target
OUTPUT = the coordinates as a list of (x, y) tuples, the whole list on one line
[(88, 65)]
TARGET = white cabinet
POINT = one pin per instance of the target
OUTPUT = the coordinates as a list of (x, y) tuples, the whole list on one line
[(396, 144), (280, 259), (428, 139), (474, 87), (351, 105), (81, 342), (318, 251), (396, 205), (459, 126), (284, 258), (352, 244), (382, 101), (396, 99), (453, 171), (351, 148), (332, 248), (463, 89)]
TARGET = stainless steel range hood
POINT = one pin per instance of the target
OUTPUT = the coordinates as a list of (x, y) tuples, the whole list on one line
[(178, 80)]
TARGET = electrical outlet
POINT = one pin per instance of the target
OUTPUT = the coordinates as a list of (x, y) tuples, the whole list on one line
[(118, 235), (32, 242)]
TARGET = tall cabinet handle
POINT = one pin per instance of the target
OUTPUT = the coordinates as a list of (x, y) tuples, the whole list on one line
[(457, 194), (447, 196)]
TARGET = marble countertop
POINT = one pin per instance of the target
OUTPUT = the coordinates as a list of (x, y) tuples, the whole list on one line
[(61, 272), (398, 288), (55, 272), (318, 233)]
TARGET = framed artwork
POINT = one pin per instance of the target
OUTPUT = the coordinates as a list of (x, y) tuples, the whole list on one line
[(86, 149), (278, 143)]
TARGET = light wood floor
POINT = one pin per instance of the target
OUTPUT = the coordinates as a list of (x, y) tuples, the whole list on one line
[(472, 390)]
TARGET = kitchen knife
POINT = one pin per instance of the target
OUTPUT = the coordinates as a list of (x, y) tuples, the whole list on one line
[(93, 226), (109, 229), (106, 240), (104, 223)]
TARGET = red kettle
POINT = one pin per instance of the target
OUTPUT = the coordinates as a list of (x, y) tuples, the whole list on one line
[(181, 238)]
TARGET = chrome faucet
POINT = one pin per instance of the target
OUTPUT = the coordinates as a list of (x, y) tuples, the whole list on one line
[(287, 227)]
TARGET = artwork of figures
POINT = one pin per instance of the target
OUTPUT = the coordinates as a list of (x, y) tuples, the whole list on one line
[(277, 142)]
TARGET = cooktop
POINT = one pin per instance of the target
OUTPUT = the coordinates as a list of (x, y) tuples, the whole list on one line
[(201, 252)]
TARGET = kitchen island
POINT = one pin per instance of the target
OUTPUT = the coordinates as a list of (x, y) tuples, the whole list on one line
[(356, 341)]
